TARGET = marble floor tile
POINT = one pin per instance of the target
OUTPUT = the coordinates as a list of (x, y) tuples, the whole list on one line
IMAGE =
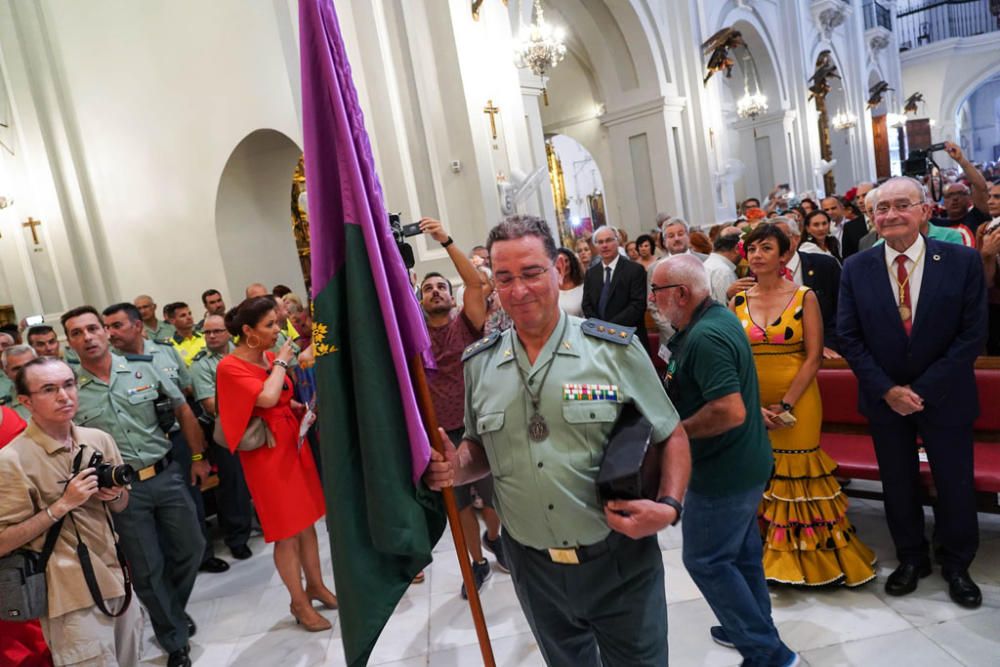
[(287, 647), (808, 619), (973, 640), (451, 621), (680, 586), (908, 647), (689, 641), (515, 651)]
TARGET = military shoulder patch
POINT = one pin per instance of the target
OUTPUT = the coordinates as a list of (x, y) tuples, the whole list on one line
[(163, 341), (72, 362), (201, 355), (480, 345), (614, 333), (139, 357)]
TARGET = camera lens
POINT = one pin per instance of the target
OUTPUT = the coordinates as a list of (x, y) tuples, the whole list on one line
[(122, 475)]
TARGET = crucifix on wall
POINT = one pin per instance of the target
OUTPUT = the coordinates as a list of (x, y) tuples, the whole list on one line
[(493, 112), (31, 223)]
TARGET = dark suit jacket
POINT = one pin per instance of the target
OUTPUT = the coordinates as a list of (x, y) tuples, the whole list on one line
[(937, 359), (821, 274), (854, 231), (627, 301)]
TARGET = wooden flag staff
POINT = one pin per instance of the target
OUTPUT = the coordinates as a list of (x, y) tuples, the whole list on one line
[(430, 420)]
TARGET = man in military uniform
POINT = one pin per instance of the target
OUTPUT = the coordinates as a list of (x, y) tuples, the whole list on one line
[(540, 400), (44, 340), (131, 400), (232, 494), (155, 329), (124, 325), (12, 359), (214, 305), (185, 340)]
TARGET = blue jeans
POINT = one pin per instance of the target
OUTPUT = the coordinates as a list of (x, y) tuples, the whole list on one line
[(722, 553)]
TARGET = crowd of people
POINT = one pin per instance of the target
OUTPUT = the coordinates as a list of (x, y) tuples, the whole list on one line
[(537, 353)]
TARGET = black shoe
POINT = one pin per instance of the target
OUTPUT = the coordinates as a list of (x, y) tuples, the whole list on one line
[(180, 658), (963, 590), (903, 579), (192, 627), (480, 573), (214, 565), (720, 636), (495, 547), (241, 552)]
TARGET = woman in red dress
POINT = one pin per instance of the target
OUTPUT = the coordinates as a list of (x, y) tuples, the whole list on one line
[(283, 480), (21, 644)]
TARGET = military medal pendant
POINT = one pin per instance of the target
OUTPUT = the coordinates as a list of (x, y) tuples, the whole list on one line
[(538, 430), (904, 312)]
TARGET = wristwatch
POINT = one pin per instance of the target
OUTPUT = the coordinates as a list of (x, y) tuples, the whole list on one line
[(787, 407), (282, 363), (445, 244), (672, 502)]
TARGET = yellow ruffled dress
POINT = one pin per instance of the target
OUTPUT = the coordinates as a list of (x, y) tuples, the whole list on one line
[(803, 515)]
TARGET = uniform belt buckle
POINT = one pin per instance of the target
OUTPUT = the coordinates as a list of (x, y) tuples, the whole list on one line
[(564, 556), (147, 473)]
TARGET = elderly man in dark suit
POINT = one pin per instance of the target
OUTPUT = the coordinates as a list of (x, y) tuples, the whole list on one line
[(615, 289), (911, 322)]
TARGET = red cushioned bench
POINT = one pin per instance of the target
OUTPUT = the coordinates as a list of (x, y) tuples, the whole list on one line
[(845, 431)]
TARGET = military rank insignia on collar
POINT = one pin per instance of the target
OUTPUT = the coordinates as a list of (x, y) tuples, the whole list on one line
[(590, 392)]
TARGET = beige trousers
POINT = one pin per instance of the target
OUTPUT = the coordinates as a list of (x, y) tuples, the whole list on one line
[(88, 638)]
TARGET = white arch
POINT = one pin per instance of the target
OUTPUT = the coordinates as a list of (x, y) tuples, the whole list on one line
[(253, 213), (957, 93), (748, 17)]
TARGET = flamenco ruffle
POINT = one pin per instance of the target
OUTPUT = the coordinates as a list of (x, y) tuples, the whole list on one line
[(808, 538)]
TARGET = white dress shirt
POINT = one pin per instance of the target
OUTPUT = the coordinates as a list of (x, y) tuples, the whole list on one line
[(837, 230), (795, 266), (914, 268), (613, 265), (721, 274)]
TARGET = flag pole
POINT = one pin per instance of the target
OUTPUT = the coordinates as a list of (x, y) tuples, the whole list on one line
[(430, 419)]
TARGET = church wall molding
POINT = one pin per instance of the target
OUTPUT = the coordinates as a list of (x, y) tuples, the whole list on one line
[(663, 104)]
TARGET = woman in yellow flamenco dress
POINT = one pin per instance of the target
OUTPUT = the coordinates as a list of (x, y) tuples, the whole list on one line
[(808, 538)]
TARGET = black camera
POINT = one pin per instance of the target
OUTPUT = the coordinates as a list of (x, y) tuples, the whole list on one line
[(110, 475), (921, 162), (399, 233)]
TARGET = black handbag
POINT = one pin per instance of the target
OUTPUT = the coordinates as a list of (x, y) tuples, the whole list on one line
[(24, 596), (630, 469)]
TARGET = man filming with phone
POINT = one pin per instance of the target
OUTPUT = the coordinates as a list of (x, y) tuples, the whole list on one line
[(49, 487)]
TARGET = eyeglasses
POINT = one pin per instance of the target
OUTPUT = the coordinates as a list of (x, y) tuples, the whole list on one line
[(52, 390), (213, 332), (901, 206), (656, 288), (530, 277)]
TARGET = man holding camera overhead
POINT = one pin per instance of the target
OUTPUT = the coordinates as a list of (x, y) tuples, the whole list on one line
[(127, 397), (49, 485)]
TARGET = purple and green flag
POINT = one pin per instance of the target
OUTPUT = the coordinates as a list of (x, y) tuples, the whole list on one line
[(383, 522)]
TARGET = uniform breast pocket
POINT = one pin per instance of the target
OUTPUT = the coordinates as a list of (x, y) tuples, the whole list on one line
[(497, 445), (595, 419), (142, 397), (85, 418)]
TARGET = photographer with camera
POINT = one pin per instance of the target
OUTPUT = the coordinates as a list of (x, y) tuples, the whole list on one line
[(61, 479), (965, 206), (127, 397)]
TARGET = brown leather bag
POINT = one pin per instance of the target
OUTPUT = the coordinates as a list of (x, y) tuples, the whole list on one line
[(256, 436)]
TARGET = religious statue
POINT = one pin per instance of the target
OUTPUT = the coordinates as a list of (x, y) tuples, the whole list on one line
[(719, 45)]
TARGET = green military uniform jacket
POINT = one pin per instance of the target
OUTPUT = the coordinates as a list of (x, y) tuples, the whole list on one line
[(8, 397), (546, 492), (203, 370), (169, 362), (164, 331), (123, 406)]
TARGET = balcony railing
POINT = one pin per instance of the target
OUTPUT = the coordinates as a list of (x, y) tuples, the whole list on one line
[(921, 22), (876, 15)]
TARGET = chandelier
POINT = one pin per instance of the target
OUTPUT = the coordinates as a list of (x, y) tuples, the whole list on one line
[(751, 106), (540, 46), (845, 120)]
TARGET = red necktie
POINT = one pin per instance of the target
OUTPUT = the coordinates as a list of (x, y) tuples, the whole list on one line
[(905, 305)]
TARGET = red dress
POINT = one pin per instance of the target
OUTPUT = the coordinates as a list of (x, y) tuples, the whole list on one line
[(283, 480), (21, 644)]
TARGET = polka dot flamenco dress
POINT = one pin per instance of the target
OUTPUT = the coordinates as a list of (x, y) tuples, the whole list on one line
[(803, 514)]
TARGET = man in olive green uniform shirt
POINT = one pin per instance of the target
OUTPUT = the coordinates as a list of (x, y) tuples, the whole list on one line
[(155, 329), (12, 359), (119, 395), (541, 399), (185, 340)]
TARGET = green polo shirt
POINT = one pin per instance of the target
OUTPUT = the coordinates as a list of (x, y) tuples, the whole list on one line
[(123, 406), (169, 362), (710, 359), (546, 492), (163, 331), (203, 370)]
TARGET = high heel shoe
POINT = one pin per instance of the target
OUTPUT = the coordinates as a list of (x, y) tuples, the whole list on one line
[(309, 619), (325, 598)]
